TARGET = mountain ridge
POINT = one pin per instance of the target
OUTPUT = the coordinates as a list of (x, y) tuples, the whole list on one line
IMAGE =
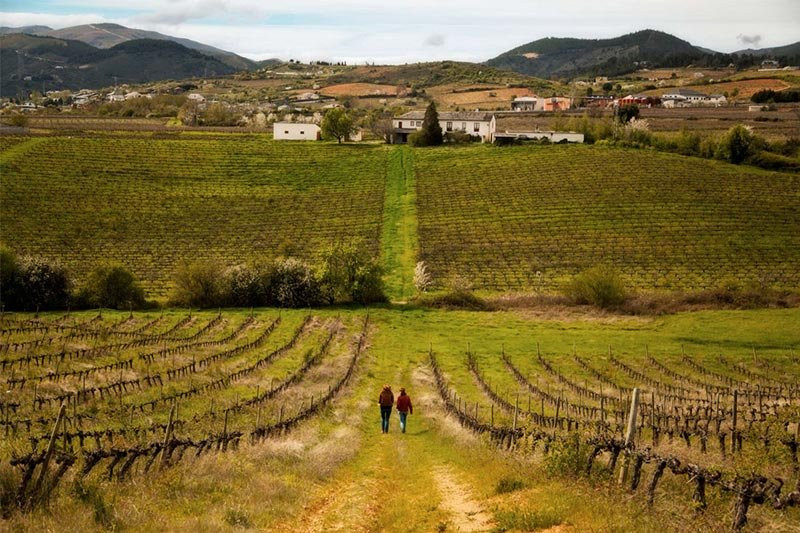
[(107, 35), (49, 63)]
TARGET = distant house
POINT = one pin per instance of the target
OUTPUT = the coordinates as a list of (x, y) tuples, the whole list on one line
[(525, 103), (133, 94), (116, 96), (634, 99), (717, 99), (556, 103), (552, 136), (294, 131), (770, 64), (690, 96), (196, 97), (475, 123)]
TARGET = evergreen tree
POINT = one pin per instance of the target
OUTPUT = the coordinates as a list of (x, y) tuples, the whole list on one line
[(431, 130)]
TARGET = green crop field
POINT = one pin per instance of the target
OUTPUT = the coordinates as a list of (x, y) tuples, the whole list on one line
[(150, 203), (524, 218), (529, 217)]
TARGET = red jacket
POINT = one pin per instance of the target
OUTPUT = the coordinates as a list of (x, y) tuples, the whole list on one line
[(404, 404), (386, 399)]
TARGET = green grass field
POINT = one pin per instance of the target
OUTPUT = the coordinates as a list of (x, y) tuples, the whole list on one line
[(523, 218)]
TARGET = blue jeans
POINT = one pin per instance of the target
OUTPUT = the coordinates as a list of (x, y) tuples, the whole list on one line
[(386, 413), (403, 420)]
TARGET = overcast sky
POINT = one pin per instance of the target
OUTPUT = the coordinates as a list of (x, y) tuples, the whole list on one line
[(417, 30)]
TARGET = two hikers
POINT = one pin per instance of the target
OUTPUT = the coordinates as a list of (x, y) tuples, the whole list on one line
[(386, 402)]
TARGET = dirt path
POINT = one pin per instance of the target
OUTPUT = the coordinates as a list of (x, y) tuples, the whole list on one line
[(466, 514)]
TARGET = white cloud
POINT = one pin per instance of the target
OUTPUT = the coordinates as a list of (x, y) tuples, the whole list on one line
[(418, 30)]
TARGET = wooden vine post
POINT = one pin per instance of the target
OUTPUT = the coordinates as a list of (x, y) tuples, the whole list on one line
[(51, 447), (735, 416), (167, 437), (630, 431)]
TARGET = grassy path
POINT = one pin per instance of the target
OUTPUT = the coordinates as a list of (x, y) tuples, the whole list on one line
[(399, 244), (19, 149)]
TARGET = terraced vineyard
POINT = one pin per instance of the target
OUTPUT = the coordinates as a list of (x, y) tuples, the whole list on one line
[(150, 203), (115, 398), (528, 217)]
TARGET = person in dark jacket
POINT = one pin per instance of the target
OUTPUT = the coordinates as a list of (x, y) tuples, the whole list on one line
[(404, 408), (386, 401)]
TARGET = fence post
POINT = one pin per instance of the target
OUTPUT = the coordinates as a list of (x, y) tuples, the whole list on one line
[(629, 433)]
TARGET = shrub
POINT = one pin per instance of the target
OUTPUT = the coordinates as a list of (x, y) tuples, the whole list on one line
[(567, 457), (351, 274), (114, 287), (460, 137), (245, 286), (626, 113), (18, 120), (42, 286), (736, 145), (772, 161), (292, 283), (9, 280), (508, 484), (199, 284), (422, 278), (599, 286)]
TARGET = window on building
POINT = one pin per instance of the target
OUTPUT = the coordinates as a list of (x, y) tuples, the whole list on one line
[(400, 124), (476, 126), (449, 126), (464, 126), (302, 132), (419, 123), (286, 132)]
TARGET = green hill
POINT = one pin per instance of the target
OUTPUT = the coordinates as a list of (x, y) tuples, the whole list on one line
[(506, 219), (32, 62), (107, 35), (564, 57)]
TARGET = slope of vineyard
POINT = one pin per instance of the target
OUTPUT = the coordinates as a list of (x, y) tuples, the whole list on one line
[(150, 203), (530, 217)]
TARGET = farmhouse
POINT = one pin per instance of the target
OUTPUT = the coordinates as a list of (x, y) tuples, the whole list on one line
[(474, 123), (690, 96), (556, 103), (552, 136), (525, 103), (294, 131)]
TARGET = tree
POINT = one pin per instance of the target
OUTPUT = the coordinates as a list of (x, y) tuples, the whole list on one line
[(379, 123), (337, 124), (350, 274), (114, 287), (431, 129), (626, 113), (608, 87), (737, 144), (189, 113)]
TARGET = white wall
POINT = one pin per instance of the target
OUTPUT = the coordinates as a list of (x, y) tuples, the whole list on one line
[(485, 128), (291, 131)]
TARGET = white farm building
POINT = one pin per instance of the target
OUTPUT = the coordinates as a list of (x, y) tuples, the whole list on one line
[(474, 123), (295, 131)]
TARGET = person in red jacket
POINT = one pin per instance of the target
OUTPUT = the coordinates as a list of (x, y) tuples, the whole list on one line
[(404, 408), (386, 401)]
